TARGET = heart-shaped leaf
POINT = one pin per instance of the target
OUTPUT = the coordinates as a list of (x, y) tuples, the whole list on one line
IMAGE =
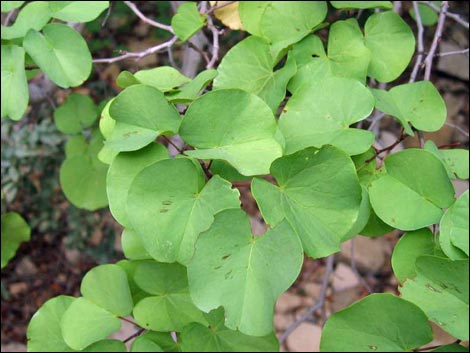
[(33, 15), (187, 21)]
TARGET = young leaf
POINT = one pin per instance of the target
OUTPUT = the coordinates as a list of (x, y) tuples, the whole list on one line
[(414, 191), (168, 205), (123, 170), (77, 11), (219, 129), (318, 194), (44, 330), (441, 290), (392, 44), (34, 15), (454, 227), (107, 286), (142, 114), (15, 98), (216, 337), (61, 53), (169, 307), (427, 14), (312, 118), (377, 323), (187, 21), (78, 112), (15, 230), (243, 273), (84, 323)]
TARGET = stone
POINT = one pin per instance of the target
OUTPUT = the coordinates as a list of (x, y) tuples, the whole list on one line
[(369, 253), (281, 321), (17, 288), (344, 278), (288, 302), (345, 298), (26, 267), (312, 290), (305, 338)]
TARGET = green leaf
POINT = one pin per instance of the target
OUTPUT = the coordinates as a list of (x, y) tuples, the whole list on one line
[(170, 307), (44, 330), (427, 14), (282, 23), (132, 246), (318, 194), (226, 171), (78, 112), (411, 246), (83, 177), (123, 170), (77, 11), (144, 344), (377, 323), (362, 218), (61, 53), (126, 79), (129, 267), (142, 114), (106, 286), (418, 103), (456, 161), (375, 226), (362, 4), (149, 342), (441, 290), (313, 116), (106, 346), (34, 15), (107, 123), (216, 337), (191, 91), (76, 145), (454, 226), (169, 205), (15, 230), (84, 323), (347, 55), (392, 44), (163, 78), (216, 126), (249, 66), (414, 191), (187, 21), (7, 6), (15, 98), (243, 273), (453, 347)]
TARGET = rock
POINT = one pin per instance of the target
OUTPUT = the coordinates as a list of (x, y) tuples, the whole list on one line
[(312, 290), (344, 278), (456, 65), (281, 321), (72, 255), (306, 338), (346, 297), (26, 267), (369, 253), (288, 302), (17, 288)]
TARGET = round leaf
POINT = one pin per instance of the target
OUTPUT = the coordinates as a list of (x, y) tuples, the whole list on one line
[(132, 246), (169, 205), (107, 286), (219, 129), (106, 346), (44, 330), (142, 114), (243, 273), (15, 98), (84, 323), (77, 11), (318, 194), (377, 323), (187, 21), (78, 112), (392, 44), (454, 226), (414, 191), (61, 53), (15, 230), (143, 344), (34, 15), (427, 14), (163, 78), (312, 117), (123, 170), (456, 161), (441, 290), (170, 307)]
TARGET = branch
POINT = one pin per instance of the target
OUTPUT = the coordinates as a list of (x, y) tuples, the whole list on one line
[(138, 333), (458, 128), (318, 305), (139, 55), (451, 15), (436, 39), (216, 7), (388, 148), (419, 58), (146, 19), (454, 52), (215, 43)]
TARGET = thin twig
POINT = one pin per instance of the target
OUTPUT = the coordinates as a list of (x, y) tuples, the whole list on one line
[(449, 145), (355, 270), (420, 43), (451, 15), (458, 128), (127, 320), (138, 333), (144, 18), (200, 51), (168, 140), (433, 347), (436, 40), (307, 315), (9, 16), (388, 148), (217, 7), (454, 52), (139, 55), (215, 43)]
